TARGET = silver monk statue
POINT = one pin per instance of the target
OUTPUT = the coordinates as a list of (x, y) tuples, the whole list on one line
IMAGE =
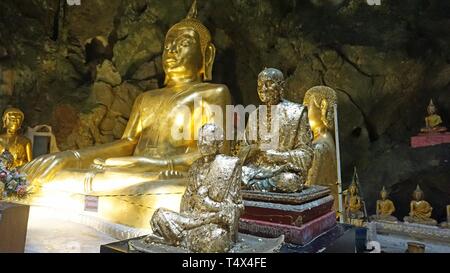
[(277, 148), (211, 205)]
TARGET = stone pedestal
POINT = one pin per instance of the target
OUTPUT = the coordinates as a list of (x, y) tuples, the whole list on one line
[(415, 231), (339, 239), (13, 227), (132, 206), (424, 140), (245, 244), (300, 217), (299, 235), (286, 214), (395, 237)]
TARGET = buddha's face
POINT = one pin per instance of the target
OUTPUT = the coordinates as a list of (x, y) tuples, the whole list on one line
[(431, 110), (352, 189), (12, 121), (269, 91), (210, 140), (384, 195), (182, 55), (418, 195)]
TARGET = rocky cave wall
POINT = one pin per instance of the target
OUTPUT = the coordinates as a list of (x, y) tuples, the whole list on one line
[(79, 68)]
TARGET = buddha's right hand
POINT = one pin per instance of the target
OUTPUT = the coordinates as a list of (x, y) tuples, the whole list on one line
[(44, 168)]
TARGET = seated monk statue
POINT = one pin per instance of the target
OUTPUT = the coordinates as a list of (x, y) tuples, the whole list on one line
[(277, 147), (433, 122), (211, 205), (321, 101), (159, 136), (385, 208), (420, 210), (353, 205), (18, 146)]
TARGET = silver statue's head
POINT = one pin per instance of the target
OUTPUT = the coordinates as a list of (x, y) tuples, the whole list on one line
[(270, 86), (210, 139)]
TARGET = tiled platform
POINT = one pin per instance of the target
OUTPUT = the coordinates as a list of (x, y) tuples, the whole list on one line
[(50, 233)]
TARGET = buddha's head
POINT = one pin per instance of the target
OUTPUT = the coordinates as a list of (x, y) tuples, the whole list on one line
[(188, 51), (210, 139), (431, 109), (418, 194), (270, 86), (320, 101), (384, 194), (352, 189), (12, 119)]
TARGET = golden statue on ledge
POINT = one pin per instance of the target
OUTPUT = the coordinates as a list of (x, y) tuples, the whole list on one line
[(447, 224), (19, 146), (420, 210), (433, 122), (211, 205), (277, 148), (353, 205), (385, 208), (148, 145), (321, 102)]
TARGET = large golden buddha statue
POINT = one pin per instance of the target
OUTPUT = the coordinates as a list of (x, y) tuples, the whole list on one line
[(321, 101), (19, 146), (433, 122), (151, 143), (277, 150), (420, 210)]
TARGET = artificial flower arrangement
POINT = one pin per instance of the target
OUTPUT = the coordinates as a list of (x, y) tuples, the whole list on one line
[(12, 182)]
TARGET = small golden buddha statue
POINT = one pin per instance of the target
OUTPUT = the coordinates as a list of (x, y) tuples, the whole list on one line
[(353, 205), (433, 122), (385, 208), (420, 210), (211, 205), (277, 149), (447, 224), (18, 146), (321, 101), (148, 144)]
